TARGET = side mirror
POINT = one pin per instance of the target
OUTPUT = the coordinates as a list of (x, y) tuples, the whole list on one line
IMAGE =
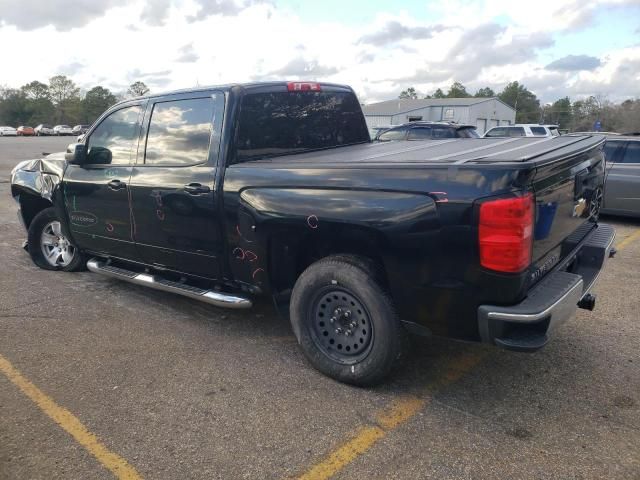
[(76, 154)]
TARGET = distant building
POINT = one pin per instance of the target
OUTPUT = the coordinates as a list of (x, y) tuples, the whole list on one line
[(484, 113)]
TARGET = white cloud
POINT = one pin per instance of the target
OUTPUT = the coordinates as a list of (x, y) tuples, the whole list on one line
[(178, 43)]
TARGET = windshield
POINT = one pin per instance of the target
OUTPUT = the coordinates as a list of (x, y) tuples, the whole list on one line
[(280, 123)]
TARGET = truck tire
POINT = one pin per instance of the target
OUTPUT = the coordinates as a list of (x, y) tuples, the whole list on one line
[(345, 322), (48, 246)]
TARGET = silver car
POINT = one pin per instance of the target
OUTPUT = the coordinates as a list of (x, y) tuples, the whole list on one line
[(622, 185)]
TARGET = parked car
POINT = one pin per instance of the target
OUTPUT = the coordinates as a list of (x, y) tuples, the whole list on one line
[(375, 131), (427, 131), (62, 130), (80, 129), (43, 129), (523, 130), (25, 131), (273, 189), (622, 186), (8, 132)]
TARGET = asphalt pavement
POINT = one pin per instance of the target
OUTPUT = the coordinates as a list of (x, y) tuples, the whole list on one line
[(179, 389)]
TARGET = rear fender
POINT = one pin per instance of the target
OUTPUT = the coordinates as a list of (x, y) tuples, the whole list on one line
[(280, 231)]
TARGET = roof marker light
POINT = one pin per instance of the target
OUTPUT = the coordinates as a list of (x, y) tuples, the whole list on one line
[(303, 87)]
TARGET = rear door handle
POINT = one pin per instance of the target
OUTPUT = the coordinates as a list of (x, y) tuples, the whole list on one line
[(116, 185), (196, 188)]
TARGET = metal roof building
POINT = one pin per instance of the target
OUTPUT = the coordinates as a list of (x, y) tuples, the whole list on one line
[(484, 113)]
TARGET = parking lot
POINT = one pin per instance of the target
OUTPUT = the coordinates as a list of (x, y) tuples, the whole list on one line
[(159, 386)]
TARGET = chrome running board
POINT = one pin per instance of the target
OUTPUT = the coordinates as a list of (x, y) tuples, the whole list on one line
[(218, 299)]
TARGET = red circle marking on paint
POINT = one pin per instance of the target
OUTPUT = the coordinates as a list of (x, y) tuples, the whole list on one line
[(256, 271), (160, 215), (238, 253), (312, 221), (109, 227), (252, 257)]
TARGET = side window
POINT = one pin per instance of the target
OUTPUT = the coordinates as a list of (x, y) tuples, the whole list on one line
[(468, 133), (396, 134), (180, 132), (113, 140), (538, 131), (439, 132), (632, 153), (516, 132), (419, 133), (611, 151), (497, 132)]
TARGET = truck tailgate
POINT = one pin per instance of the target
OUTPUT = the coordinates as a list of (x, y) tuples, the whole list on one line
[(568, 192)]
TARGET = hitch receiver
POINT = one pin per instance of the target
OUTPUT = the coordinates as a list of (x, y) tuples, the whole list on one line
[(588, 302)]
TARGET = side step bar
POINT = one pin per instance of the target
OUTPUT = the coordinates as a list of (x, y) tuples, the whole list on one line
[(218, 299)]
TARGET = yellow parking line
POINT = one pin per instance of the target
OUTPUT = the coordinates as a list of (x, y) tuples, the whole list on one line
[(118, 466), (626, 241), (387, 420)]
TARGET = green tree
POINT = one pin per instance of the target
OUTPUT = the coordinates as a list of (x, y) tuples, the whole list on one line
[(65, 96), (38, 105), (62, 88), (559, 112), (137, 89), (13, 109), (35, 90), (409, 93), (96, 101), (439, 94), (457, 90), (525, 102), (485, 92)]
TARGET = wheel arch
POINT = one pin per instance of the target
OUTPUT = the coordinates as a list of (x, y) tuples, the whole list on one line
[(31, 205)]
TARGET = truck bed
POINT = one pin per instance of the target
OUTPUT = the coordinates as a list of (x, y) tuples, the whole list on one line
[(448, 151)]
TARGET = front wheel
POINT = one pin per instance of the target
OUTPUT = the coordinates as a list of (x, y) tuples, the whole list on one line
[(345, 322), (49, 248)]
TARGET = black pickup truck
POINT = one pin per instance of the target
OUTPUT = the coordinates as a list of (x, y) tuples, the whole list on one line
[(222, 194)]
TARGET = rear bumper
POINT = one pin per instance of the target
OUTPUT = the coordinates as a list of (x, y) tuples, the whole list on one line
[(525, 326)]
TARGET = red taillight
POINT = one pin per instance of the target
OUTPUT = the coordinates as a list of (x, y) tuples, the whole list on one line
[(303, 87), (506, 233)]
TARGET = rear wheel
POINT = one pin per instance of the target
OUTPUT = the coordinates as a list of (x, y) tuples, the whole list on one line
[(49, 248), (345, 322)]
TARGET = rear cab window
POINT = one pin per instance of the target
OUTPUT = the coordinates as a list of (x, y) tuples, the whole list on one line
[(275, 123), (539, 131)]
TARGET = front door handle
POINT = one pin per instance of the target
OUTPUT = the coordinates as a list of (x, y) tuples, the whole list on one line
[(116, 185), (196, 188)]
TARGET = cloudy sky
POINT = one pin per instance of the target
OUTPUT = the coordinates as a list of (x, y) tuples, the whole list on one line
[(556, 48)]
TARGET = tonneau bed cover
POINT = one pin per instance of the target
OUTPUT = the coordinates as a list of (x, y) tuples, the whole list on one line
[(450, 151)]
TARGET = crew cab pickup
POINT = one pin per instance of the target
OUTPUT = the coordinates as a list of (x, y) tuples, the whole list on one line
[(227, 193)]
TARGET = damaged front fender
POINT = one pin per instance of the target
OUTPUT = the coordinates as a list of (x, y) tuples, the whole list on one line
[(35, 184)]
